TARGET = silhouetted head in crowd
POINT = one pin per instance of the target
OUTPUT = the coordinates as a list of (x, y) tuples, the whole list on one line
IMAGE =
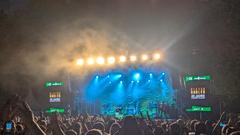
[(70, 132), (100, 126), (109, 124), (147, 129), (192, 125), (115, 127), (77, 127), (42, 122), (200, 128), (209, 126), (224, 130), (19, 129), (230, 130), (237, 125), (180, 122), (94, 132), (233, 119), (174, 129), (235, 133), (158, 131), (164, 125), (130, 127)]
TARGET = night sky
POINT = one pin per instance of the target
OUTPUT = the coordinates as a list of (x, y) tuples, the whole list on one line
[(41, 39)]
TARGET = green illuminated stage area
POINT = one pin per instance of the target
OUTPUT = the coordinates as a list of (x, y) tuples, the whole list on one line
[(124, 92)]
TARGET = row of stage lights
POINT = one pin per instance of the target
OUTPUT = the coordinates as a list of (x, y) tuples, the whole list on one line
[(136, 77), (111, 60)]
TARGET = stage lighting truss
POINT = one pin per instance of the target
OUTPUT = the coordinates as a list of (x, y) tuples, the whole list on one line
[(111, 60)]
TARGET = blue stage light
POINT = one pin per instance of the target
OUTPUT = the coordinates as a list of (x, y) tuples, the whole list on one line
[(151, 76), (136, 76), (118, 76), (96, 80), (163, 73), (115, 77), (161, 80)]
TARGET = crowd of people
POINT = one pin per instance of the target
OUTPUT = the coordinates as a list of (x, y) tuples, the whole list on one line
[(17, 118)]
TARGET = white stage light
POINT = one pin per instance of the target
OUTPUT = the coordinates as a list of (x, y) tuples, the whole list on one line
[(156, 56), (144, 57), (90, 61), (122, 58), (111, 60), (133, 58), (80, 62), (100, 60)]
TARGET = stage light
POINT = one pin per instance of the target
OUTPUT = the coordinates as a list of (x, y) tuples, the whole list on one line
[(144, 57), (80, 62), (111, 60), (156, 56), (90, 61), (137, 76), (161, 80), (96, 79), (100, 60), (118, 76), (133, 58), (150, 75), (122, 58), (163, 73)]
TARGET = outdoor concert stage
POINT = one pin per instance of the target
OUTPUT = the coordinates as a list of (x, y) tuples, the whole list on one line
[(126, 91)]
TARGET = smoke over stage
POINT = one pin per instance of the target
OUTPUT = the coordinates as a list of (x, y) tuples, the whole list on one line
[(131, 91)]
